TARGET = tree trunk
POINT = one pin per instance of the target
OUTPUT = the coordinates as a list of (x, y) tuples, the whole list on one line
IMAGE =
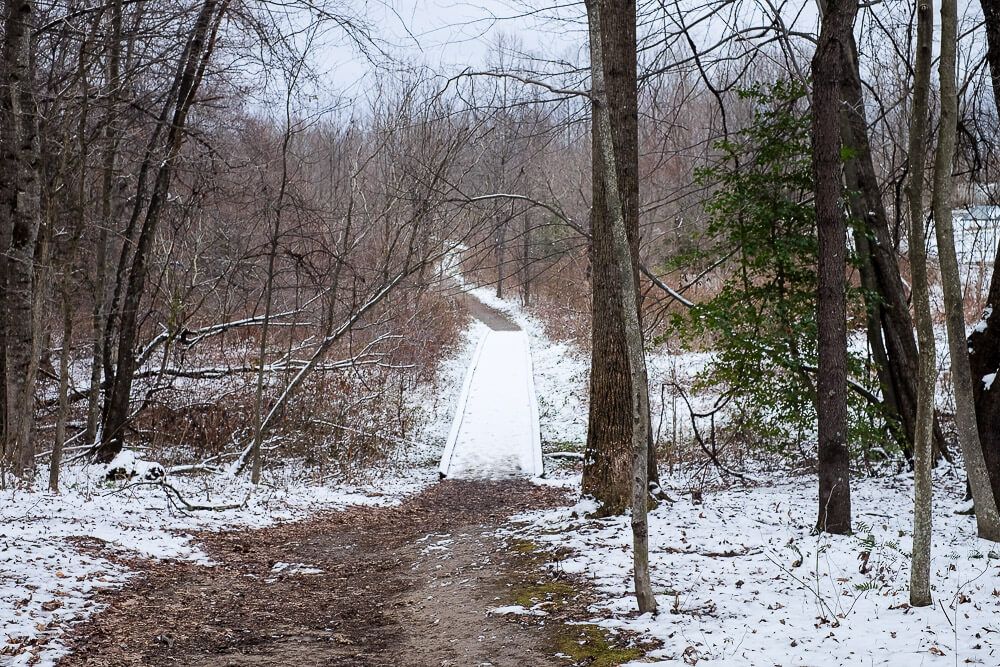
[(987, 520), (624, 258), (920, 567), (608, 458), (55, 460), (174, 117), (108, 210), (900, 351), (21, 216), (831, 405), (984, 343), (526, 259)]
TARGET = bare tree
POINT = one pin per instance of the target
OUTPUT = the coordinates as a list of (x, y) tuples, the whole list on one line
[(831, 384), (987, 518), (920, 592), (612, 17)]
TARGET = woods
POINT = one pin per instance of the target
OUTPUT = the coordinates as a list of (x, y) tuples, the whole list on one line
[(736, 262)]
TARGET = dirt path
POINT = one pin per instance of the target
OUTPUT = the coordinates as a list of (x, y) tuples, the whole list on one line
[(410, 585), (491, 317)]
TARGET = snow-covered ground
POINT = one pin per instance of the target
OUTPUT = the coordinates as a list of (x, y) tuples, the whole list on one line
[(46, 583), (740, 579)]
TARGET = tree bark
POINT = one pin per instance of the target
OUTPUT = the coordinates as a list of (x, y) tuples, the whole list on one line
[(626, 274), (920, 567), (608, 458), (987, 519), (831, 382), (900, 348), (984, 343), (173, 117), (19, 166)]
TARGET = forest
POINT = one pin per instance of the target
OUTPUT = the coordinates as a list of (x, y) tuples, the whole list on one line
[(501, 332)]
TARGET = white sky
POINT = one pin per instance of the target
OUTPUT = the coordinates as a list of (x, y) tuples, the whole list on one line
[(450, 35)]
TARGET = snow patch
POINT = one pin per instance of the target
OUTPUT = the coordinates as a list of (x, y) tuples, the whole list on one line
[(741, 580)]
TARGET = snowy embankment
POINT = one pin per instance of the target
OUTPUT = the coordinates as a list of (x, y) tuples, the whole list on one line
[(740, 579)]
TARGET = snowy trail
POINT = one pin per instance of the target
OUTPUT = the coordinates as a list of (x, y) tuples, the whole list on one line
[(495, 432)]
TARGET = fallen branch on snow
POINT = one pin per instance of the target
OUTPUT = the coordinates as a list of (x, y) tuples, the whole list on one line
[(184, 503)]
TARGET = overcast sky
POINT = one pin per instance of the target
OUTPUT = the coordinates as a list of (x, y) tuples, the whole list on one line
[(450, 35)]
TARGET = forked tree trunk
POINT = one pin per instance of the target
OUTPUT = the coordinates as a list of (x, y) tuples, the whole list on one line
[(831, 382), (608, 459), (173, 117), (898, 349), (625, 275), (108, 158), (987, 520), (920, 566)]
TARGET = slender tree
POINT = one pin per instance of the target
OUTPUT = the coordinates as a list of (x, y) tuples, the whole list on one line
[(987, 519), (831, 404), (171, 122), (920, 592)]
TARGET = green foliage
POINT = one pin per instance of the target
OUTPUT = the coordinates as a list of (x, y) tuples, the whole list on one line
[(762, 323)]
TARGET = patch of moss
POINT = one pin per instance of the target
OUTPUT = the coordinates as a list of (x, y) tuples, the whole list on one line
[(525, 547), (590, 645), (556, 592)]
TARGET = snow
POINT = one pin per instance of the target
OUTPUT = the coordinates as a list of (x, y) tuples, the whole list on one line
[(294, 568), (517, 610), (495, 433), (561, 374), (51, 545), (983, 320), (741, 580), (437, 402), (988, 380)]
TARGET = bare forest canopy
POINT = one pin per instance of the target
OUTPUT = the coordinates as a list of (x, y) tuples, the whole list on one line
[(215, 251)]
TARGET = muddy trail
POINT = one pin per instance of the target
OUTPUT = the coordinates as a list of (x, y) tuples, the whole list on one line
[(410, 585)]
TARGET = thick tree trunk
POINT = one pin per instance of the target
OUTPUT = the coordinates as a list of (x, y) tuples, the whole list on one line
[(984, 343), (626, 275), (892, 306), (920, 568), (19, 165), (987, 519), (831, 405), (608, 459)]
